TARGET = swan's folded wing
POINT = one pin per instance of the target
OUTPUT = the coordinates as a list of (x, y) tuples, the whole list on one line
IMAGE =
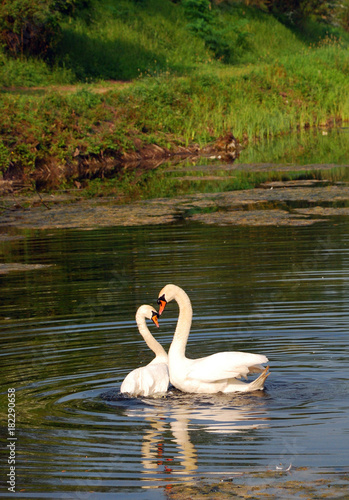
[(225, 365), (155, 379), (147, 381)]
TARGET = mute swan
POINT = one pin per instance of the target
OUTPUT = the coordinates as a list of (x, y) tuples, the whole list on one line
[(216, 373), (153, 378)]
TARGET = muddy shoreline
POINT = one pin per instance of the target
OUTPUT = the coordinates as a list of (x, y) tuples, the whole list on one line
[(144, 157), (307, 200), (281, 203)]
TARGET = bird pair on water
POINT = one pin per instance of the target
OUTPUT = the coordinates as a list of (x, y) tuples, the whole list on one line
[(220, 372)]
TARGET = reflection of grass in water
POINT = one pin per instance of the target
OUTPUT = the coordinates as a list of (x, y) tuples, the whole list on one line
[(302, 148), (161, 183), (165, 185), (306, 148), (336, 174)]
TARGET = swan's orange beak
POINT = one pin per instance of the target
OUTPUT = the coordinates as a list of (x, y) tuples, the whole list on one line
[(154, 318), (162, 303)]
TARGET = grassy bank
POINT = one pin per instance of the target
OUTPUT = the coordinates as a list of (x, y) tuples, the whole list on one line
[(277, 79)]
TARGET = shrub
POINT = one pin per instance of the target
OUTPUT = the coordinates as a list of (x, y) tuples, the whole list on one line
[(329, 11), (205, 22), (29, 27), (71, 7)]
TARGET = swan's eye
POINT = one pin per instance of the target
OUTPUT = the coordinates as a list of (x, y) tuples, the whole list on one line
[(154, 318), (162, 303)]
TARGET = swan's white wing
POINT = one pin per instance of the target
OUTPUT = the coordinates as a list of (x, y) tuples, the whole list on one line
[(147, 381), (224, 365), (157, 379)]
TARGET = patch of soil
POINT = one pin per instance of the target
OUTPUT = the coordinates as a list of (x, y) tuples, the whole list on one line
[(7, 268), (98, 89)]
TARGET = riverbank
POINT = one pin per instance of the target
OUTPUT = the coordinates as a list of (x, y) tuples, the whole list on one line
[(57, 140), (59, 132)]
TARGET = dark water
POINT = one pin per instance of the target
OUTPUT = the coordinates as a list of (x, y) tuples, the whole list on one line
[(68, 339)]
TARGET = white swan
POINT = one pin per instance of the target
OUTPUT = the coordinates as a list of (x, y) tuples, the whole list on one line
[(152, 379), (216, 373)]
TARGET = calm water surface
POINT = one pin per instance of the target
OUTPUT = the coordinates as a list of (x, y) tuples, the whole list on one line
[(69, 337)]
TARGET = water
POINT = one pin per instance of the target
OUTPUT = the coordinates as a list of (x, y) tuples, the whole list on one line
[(69, 338)]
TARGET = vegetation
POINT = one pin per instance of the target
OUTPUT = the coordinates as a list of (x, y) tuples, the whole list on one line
[(290, 156), (187, 73)]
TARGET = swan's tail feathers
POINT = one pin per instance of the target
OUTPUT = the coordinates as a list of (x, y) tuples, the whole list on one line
[(258, 384), (255, 369)]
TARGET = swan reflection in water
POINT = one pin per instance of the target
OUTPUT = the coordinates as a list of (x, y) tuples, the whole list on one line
[(183, 414)]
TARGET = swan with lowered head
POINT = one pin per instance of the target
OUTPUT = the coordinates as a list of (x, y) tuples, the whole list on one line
[(152, 379), (219, 372)]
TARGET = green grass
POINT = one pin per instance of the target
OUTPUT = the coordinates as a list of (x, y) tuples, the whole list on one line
[(279, 80), (32, 73), (124, 42), (124, 39)]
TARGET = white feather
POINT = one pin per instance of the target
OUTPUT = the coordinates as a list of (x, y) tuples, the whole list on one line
[(152, 379), (219, 372)]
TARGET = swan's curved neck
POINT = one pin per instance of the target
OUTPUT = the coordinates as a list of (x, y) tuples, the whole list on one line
[(151, 342), (181, 333)]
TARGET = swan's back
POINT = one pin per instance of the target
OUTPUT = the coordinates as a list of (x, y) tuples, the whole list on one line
[(220, 372), (149, 380), (226, 365)]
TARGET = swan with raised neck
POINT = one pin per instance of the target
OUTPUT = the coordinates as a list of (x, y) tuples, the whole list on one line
[(220, 372)]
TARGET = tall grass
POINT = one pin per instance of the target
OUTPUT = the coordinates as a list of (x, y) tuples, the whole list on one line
[(179, 93), (304, 89)]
